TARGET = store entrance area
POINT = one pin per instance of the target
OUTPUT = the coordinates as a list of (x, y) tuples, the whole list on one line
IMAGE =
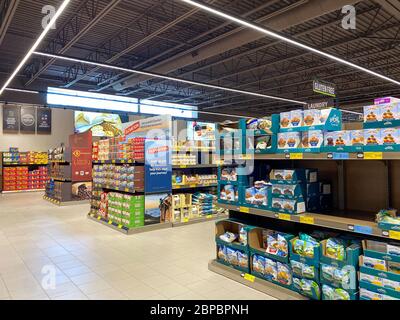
[(39, 240)]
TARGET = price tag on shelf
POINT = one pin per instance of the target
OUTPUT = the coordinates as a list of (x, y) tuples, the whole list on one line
[(244, 156), (394, 235), (284, 216), (307, 219), (126, 190), (373, 155), (209, 216), (99, 218), (113, 161), (244, 209), (193, 186), (185, 220), (341, 156), (249, 277), (109, 222), (183, 166), (363, 229), (120, 226), (122, 161), (296, 156)]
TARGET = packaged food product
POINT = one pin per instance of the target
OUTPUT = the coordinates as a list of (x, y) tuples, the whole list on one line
[(243, 259), (296, 118), (222, 253), (271, 271), (277, 189), (289, 204), (371, 279), (389, 111), (334, 293), (312, 117), (357, 137), (390, 284), (263, 142), (297, 268), (372, 137), (259, 263), (284, 275), (329, 139), (342, 138), (393, 267), (394, 250), (277, 244), (285, 119), (374, 263), (335, 249), (282, 140), (293, 140), (372, 113), (228, 237), (277, 203), (390, 136), (242, 235), (315, 138), (232, 256), (279, 174)]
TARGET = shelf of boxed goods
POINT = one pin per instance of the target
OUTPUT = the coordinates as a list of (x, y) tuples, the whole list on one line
[(256, 283), (322, 220), (326, 156), (125, 230), (194, 166), (193, 186)]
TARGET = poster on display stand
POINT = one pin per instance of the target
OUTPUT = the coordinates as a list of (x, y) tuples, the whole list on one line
[(81, 150)]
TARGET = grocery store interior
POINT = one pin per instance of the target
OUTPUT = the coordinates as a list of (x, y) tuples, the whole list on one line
[(199, 150)]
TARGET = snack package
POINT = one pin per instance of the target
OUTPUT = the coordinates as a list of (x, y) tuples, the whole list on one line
[(242, 236), (261, 196), (285, 120), (271, 271), (342, 138), (277, 189), (259, 263), (369, 295), (374, 263), (289, 204), (315, 138), (390, 284), (329, 139), (372, 137), (282, 140), (263, 142), (283, 274), (243, 259), (335, 249), (296, 118), (279, 175), (334, 293), (390, 136), (297, 268), (393, 267), (277, 203), (308, 272), (357, 137), (232, 256), (228, 237), (311, 117), (371, 279), (222, 253), (389, 111), (372, 113)]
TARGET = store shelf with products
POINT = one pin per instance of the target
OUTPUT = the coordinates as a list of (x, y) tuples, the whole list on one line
[(282, 183)]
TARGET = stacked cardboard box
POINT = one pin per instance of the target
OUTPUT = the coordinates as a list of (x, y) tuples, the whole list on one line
[(20, 178), (126, 210)]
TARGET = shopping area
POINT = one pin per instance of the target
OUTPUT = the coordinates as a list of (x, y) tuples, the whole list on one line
[(246, 157)]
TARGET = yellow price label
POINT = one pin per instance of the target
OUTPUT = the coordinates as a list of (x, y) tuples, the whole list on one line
[(99, 218), (373, 155), (394, 235), (126, 190), (209, 216), (120, 226), (109, 222), (177, 187), (183, 166), (284, 216), (307, 219), (249, 277), (296, 156), (185, 220), (193, 186), (244, 209), (113, 161), (244, 157)]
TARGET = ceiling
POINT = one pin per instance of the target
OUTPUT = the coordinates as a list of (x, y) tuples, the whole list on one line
[(171, 38)]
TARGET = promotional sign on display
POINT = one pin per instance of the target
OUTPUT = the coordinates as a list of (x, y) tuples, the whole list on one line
[(158, 168), (43, 124), (81, 149), (28, 120), (144, 126), (10, 118), (325, 88)]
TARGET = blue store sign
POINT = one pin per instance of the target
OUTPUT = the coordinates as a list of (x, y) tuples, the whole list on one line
[(158, 168)]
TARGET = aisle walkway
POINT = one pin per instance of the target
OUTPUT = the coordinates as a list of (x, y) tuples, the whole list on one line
[(95, 262)]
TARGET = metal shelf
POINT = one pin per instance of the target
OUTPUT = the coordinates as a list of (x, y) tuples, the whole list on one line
[(211, 217), (258, 284), (27, 190), (322, 220)]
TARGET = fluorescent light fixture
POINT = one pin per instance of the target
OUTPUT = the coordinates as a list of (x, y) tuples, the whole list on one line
[(36, 44), (22, 90), (156, 75), (175, 110), (90, 100), (285, 39)]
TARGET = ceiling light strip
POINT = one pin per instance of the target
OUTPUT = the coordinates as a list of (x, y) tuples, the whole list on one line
[(35, 45), (285, 39), (22, 90), (156, 75)]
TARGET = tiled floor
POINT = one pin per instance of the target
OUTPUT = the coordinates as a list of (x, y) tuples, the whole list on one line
[(50, 252)]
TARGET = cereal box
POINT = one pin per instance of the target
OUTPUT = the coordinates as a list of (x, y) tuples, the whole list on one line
[(311, 117), (329, 139), (390, 111), (285, 120), (372, 137), (296, 118), (372, 113), (357, 137), (390, 136), (277, 203), (282, 140), (315, 138)]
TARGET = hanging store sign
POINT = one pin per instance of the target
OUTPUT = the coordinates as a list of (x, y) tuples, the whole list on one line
[(28, 120), (325, 88), (10, 118), (148, 124), (321, 104), (43, 124)]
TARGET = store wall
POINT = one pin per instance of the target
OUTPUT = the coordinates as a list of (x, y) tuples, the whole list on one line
[(62, 127)]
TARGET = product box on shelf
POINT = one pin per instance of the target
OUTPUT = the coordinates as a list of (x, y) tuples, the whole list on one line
[(335, 294), (269, 243), (236, 258), (289, 206), (307, 287), (383, 115), (381, 250), (382, 140), (337, 141), (255, 197), (357, 140), (311, 141), (293, 176), (339, 254), (343, 277), (261, 126), (289, 141), (305, 251), (228, 194), (304, 271), (289, 191)]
